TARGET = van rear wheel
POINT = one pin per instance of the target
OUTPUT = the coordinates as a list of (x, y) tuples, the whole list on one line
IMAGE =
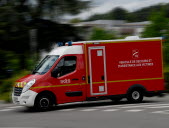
[(135, 96)]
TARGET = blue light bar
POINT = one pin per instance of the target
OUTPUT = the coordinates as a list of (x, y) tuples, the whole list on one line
[(69, 43), (60, 44)]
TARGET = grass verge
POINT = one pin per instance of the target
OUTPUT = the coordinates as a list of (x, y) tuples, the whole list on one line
[(6, 86)]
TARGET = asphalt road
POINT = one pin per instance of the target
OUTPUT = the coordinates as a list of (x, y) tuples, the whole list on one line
[(152, 113)]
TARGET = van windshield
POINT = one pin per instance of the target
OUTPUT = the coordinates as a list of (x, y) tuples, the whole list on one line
[(45, 64)]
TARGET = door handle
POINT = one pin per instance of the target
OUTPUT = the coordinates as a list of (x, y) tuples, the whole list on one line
[(83, 78), (102, 77), (88, 79), (75, 79)]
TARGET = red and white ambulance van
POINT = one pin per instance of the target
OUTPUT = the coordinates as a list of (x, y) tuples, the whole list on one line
[(90, 70)]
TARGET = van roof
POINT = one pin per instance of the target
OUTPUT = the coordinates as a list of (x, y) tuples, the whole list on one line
[(127, 39), (77, 49)]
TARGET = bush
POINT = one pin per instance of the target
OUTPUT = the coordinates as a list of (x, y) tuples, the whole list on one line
[(9, 64), (6, 86), (101, 34)]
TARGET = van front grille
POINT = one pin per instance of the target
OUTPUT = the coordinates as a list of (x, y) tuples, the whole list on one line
[(17, 91)]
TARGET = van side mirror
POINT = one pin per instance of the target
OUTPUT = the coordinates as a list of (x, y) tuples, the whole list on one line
[(56, 72)]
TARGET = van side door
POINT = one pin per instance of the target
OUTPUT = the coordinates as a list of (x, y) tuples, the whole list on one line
[(69, 76)]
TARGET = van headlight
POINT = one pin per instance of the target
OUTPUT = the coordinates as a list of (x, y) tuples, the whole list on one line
[(28, 85)]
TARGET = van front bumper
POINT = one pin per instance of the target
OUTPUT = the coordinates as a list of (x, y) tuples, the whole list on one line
[(26, 99)]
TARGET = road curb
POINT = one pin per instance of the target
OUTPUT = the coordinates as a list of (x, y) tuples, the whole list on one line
[(2, 102)]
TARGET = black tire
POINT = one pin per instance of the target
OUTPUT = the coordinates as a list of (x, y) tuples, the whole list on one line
[(135, 96), (43, 103)]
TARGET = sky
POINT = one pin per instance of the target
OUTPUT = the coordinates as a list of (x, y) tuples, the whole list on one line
[(102, 6)]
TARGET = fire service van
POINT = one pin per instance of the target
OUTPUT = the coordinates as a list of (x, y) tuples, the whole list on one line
[(91, 70)]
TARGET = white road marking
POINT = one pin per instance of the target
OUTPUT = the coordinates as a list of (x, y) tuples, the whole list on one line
[(110, 110), (73, 103), (158, 112), (162, 112), (66, 110), (123, 105), (159, 107), (4, 110), (135, 110), (138, 106), (103, 106), (88, 110), (166, 110), (15, 107)]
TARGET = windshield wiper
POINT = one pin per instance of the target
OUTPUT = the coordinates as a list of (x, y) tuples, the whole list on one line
[(35, 72)]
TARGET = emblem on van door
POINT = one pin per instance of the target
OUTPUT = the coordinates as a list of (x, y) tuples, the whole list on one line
[(65, 81), (135, 53)]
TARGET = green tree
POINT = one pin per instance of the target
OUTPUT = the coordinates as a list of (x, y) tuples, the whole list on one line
[(51, 9), (16, 17), (115, 14), (13, 31), (75, 20), (142, 14), (101, 34), (159, 25), (118, 14)]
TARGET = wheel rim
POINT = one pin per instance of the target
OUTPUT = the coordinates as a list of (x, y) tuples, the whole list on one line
[(44, 103), (135, 95)]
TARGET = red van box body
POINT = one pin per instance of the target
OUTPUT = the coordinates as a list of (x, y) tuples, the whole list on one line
[(104, 69)]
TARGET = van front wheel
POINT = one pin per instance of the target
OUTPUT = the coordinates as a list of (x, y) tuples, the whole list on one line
[(43, 103), (135, 96)]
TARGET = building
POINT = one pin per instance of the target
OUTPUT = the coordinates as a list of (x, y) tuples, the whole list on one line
[(134, 28), (120, 27)]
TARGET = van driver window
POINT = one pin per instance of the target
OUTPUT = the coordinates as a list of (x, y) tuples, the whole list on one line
[(66, 65)]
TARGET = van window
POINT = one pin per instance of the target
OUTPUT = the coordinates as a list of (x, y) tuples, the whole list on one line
[(45, 64), (66, 65)]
